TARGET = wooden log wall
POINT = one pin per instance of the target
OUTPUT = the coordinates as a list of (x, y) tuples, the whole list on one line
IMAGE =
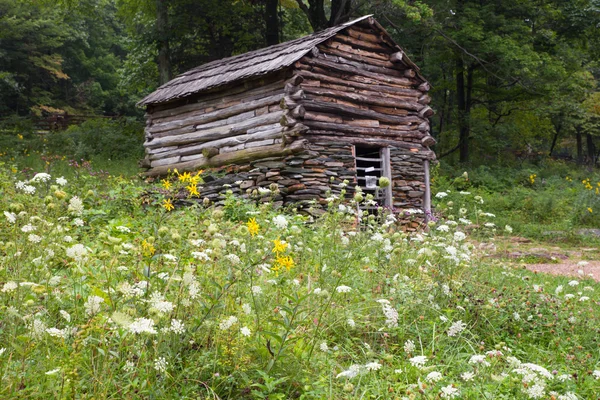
[(357, 89), (231, 126)]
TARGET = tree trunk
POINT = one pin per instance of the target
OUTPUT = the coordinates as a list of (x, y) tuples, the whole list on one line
[(579, 146), (271, 22), (554, 140), (463, 95), (162, 23), (340, 12), (591, 150)]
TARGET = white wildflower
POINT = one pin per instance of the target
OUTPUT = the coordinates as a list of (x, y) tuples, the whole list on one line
[(92, 305), (596, 374), (177, 326), (351, 372), (41, 177), (418, 361), (443, 228), (157, 302), (256, 290), (391, 315), (479, 359), (456, 328), (77, 251), (459, 236), (409, 347), (142, 325), (323, 346), (9, 286), (508, 229), (280, 222), (373, 366), (61, 181), (343, 289), (245, 331), (10, 216), (573, 283), (76, 205), (449, 392), (53, 371), (351, 323), (228, 323), (467, 376), (246, 308), (59, 333), (160, 364), (441, 195), (433, 376), (65, 315)]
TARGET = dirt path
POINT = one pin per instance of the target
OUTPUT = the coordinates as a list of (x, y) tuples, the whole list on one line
[(544, 258), (591, 270)]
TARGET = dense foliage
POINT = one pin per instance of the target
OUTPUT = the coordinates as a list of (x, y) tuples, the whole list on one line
[(510, 79), (109, 289)]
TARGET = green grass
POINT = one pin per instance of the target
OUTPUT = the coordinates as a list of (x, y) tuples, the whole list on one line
[(106, 294)]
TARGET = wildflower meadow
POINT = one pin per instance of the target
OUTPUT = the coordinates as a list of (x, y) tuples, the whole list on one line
[(111, 287)]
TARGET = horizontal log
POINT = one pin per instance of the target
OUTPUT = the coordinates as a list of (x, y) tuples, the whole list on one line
[(426, 112), (334, 108), (247, 91), (297, 112), (374, 76), (216, 133), (352, 130), (327, 136), (240, 156), (241, 108), (425, 99), (424, 87), (360, 98), (272, 133), (325, 76), (368, 37), (358, 57), (364, 66), (382, 54), (319, 116), (287, 120), (397, 57), (410, 73), (377, 47), (428, 141)]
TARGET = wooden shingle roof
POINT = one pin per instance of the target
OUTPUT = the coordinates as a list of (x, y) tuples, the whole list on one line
[(251, 64)]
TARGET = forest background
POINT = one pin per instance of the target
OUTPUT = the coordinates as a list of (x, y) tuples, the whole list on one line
[(512, 80)]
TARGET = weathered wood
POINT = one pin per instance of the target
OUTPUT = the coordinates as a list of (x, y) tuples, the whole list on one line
[(238, 92), (378, 55), (425, 99), (373, 67), (378, 47), (424, 87), (379, 78), (360, 98), (287, 120), (426, 112), (397, 57), (358, 57), (271, 133), (326, 77), (368, 37), (319, 116), (410, 73), (216, 115), (240, 156), (345, 110), (428, 141), (297, 112), (216, 133), (424, 126), (352, 130), (210, 152)]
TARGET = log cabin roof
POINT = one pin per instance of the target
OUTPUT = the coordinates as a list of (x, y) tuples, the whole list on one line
[(252, 64)]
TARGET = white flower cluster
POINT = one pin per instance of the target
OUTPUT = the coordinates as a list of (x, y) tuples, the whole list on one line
[(357, 369)]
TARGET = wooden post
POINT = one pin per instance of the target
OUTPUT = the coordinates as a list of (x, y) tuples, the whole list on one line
[(427, 200), (387, 172)]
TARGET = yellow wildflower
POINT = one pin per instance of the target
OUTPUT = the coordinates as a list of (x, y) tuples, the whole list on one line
[(193, 189), (286, 262), (168, 205), (147, 248), (590, 209), (253, 226), (279, 246), (166, 184), (185, 177)]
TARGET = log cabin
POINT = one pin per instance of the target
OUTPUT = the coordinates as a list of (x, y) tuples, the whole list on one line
[(345, 103)]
